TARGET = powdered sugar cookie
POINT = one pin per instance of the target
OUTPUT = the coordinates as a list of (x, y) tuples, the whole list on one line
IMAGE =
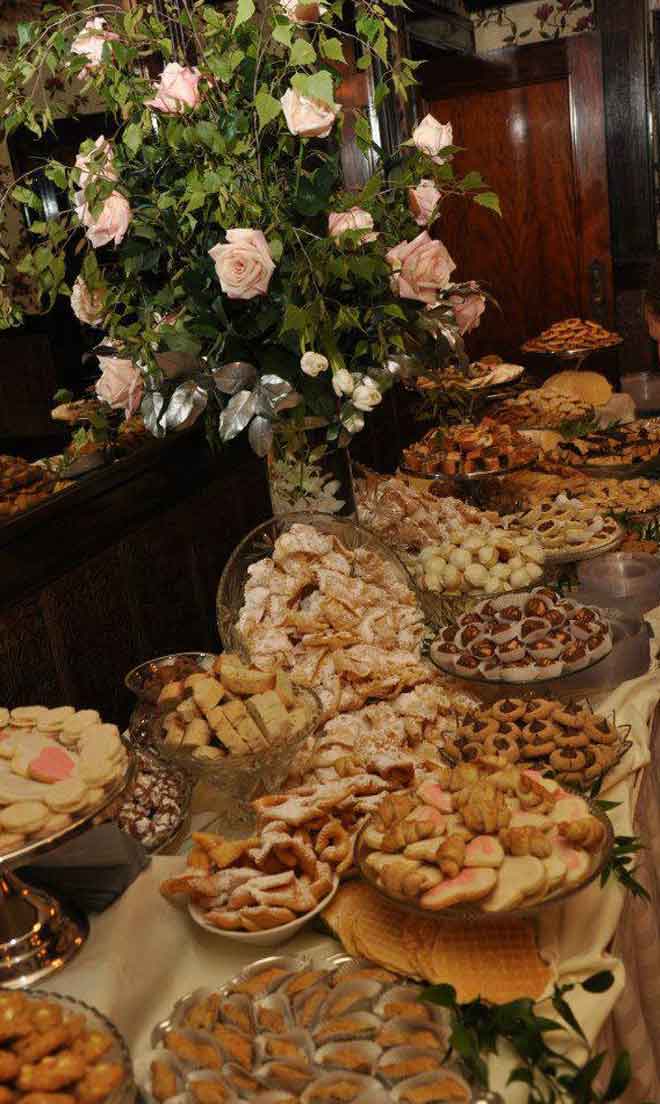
[(4, 716), (8, 741), (555, 869), (73, 727), (569, 808), (518, 878), (14, 788), (51, 764), (29, 745), (94, 796), (24, 817), (53, 720), (67, 796), (10, 841), (26, 716), (96, 769), (577, 863)]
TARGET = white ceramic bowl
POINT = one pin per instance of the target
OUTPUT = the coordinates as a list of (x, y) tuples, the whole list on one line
[(270, 937)]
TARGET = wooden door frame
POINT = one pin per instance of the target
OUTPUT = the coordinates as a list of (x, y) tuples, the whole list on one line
[(576, 59)]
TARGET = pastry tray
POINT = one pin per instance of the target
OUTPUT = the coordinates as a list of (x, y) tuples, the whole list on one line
[(572, 354), (461, 913), (462, 477), (578, 554), (629, 658)]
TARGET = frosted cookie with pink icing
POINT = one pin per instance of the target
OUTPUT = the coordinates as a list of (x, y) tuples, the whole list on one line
[(432, 793), (577, 863), (569, 808), (52, 764), (518, 878), (470, 885), (484, 851)]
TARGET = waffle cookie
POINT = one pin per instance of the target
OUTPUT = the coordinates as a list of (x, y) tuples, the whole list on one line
[(497, 961)]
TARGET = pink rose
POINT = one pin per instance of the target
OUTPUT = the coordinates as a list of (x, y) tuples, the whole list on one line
[(98, 164), (468, 311), (112, 222), (90, 42), (430, 136), (421, 268), (120, 384), (88, 306), (355, 219), (244, 265), (177, 89), (423, 201), (306, 117)]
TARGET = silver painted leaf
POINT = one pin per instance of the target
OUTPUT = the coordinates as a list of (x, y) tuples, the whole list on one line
[(186, 405), (237, 415), (260, 435), (403, 366), (235, 376), (151, 409), (275, 394)]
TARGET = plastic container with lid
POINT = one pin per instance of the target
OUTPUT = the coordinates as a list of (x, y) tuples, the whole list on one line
[(644, 388)]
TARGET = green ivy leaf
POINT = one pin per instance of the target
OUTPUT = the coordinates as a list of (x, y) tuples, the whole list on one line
[(302, 52), (444, 995), (24, 195), (283, 33), (331, 48), (600, 982), (489, 200), (244, 12), (132, 137), (268, 108), (320, 86), (620, 1078), (63, 396), (295, 318)]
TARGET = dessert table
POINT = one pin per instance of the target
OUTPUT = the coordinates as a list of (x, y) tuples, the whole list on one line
[(144, 953)]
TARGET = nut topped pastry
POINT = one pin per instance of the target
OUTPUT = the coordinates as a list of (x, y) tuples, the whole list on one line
[(489, 447)]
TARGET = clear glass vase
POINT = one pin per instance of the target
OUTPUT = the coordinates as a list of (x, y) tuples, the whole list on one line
[(306, 472)]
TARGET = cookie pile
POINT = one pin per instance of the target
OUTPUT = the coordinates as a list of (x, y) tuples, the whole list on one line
[(22, 485), (566, 525), (539, 409), (569, 335), (156, 805), (470, 450), (230, 710), (521, 638), (634, 443), (488, 834), (333, 1033), (55, 766), (51, 1049), (577, 745), (481, 559)]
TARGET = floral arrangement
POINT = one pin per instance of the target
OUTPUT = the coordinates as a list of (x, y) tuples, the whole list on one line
[(219, 252)]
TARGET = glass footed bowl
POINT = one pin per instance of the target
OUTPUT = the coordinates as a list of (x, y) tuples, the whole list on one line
[(527, 909), (259, 544)]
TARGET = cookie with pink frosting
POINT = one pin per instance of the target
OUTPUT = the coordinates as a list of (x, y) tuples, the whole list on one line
[(470, 885)]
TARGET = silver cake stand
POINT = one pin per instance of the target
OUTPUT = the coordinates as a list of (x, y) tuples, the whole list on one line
[(38, 933)]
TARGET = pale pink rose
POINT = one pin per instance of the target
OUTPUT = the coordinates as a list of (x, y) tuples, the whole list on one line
[(423, 201), (120, 384), (355, 219), (430, 136), (468, 311), (302, 12), (244, 265), (96, 165), (177, 89), (88, 306), (110, 224), (421, 267), (307, 117), (90, 42)]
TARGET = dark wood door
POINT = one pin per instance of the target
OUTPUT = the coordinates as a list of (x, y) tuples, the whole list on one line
[(531, 120)]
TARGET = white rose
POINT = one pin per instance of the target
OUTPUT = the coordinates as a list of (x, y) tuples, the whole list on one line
[(303, 12), (421, 268), (343, 382), (423, 201), (430, 136), (244, 265), (366, 395), (88, 306), (98, 164), (313, 364), (307, 117), (352, 421)]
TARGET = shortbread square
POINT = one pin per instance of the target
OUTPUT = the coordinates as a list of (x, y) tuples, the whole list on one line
[(225, 732), (172, 691), (197, 734), (271, 716), (251, 733), (207, 693), (240, 679), (188, 710), (284, 689)]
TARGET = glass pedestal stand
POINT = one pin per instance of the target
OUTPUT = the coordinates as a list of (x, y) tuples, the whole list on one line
[(38, 933)]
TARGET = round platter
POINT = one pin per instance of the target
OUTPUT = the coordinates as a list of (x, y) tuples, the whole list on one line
[(441, 609), (461, 913), (472, 477), (573, 354), (578, 554), (629, 658)]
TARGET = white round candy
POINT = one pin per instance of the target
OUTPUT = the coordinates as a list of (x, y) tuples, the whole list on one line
[(451, 577), (519, 578), (534, 571), (501, 570), (473, 543), (477, 576), (515, 563), (459, 557), (488, 555)]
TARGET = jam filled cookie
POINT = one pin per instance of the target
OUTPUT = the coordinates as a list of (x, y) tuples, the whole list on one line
[(509, 709), (600, 730), (540, 709), (502, 745), (571, 715), (568, 759)]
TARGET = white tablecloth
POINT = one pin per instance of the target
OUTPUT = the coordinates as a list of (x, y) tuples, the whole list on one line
[(144, 953)]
